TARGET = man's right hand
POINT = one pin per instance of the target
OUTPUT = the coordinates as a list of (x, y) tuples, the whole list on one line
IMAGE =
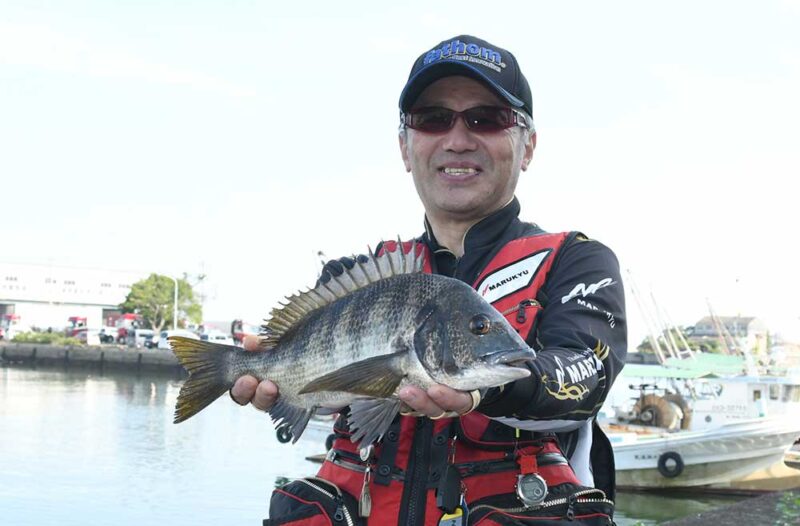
[(248, 389)]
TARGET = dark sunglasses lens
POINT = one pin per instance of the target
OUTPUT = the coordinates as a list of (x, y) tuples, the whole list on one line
[(488, 119), (431, 119)]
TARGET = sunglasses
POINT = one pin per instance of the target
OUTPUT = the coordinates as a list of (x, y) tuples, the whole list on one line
[(480, 119)]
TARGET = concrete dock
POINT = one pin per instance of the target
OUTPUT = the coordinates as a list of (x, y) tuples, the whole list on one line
[(112, 356)]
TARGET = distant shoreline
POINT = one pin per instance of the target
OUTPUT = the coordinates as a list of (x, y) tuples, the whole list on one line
[(108, 356)]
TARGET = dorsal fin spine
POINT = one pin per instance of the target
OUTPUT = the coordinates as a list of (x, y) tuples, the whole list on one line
[(326, 293), (306, 301), (314, 297), (346, 282), (364, 272), (359, 277)]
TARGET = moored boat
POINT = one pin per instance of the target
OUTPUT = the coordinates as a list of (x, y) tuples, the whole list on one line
[(700, 428)]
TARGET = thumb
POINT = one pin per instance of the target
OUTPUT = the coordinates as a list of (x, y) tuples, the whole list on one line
[(251, 342)]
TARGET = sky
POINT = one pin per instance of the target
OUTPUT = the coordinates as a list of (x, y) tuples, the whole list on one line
[(239, 139)]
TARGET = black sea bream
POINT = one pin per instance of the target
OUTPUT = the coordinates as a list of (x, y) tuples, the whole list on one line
[(356, 341)]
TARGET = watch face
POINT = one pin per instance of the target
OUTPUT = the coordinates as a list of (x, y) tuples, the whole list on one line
[(531, 489)]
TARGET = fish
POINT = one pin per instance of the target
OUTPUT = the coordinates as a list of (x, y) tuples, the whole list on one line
[(356, 341)]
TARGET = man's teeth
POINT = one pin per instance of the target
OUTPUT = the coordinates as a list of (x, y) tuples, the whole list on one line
[(460, 171)]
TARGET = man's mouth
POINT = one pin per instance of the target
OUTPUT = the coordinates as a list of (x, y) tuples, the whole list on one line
[(513, 357), (459, 173)]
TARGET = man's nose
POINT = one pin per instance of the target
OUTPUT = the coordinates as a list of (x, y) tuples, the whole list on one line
[(459, 138)]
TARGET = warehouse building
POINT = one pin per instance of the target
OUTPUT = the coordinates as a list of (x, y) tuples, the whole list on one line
[(46, 296)]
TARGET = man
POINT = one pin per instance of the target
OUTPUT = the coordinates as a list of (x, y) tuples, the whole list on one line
[(466, 134)]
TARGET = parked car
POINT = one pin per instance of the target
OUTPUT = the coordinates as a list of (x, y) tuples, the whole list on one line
[(88, 336), (164, 344), (140, 336), (151, 342), (217, 337), (108, 335)]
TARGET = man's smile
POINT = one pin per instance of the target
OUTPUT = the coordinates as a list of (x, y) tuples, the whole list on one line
[(459, 172)]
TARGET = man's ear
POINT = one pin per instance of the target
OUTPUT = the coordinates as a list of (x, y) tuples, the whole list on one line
[(530, 145), (403, 138)]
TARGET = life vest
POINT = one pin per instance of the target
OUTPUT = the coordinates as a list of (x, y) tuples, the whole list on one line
[(486, 452)]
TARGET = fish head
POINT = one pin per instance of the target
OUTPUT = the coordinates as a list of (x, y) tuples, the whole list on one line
[(464, 343)]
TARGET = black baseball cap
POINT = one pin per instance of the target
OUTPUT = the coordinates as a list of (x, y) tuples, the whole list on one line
[(471, 57)]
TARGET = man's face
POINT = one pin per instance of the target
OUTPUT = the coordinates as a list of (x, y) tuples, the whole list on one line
[(460, 174)]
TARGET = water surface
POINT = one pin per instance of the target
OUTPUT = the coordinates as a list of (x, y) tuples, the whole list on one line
[(80, 448)]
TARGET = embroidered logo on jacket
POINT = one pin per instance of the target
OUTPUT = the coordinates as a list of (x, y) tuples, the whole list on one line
[(511, 278), (582, 290), (566, 385)]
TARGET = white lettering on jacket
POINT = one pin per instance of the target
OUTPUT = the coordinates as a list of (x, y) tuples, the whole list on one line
[(582, 290), (511, 278)]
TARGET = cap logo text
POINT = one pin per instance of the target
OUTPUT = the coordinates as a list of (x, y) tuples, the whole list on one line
[(457, 50)]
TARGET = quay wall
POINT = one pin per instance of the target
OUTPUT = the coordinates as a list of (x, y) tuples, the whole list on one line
[(116, 356)]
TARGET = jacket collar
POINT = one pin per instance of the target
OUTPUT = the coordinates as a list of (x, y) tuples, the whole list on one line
[(482, 234)]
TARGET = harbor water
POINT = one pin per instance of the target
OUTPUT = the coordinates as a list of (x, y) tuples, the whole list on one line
[(82, 447)]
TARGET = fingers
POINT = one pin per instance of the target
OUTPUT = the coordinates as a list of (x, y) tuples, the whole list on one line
[(266, 394), (244, 389), (336, 267), (451, 399), (247, 389), (438, 400), (250, 342)]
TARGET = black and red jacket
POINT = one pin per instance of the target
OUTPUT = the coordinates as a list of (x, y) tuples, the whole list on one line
[(564, 294)]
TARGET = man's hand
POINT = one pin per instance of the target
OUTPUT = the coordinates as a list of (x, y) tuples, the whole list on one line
[(437, 400), (248, 390)]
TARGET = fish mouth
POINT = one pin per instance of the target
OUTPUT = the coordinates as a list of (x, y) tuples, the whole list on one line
[(512, 357)]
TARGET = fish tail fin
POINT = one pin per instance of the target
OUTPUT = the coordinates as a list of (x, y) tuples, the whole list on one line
[(206, 364)]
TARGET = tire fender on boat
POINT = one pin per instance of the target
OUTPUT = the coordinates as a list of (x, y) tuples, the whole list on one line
[(670, 470)]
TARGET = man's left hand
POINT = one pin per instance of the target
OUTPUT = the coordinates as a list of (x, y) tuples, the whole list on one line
[(437, 400)]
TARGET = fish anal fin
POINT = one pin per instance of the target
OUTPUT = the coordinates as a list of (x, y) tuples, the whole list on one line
[(378, 377), (296, 418)]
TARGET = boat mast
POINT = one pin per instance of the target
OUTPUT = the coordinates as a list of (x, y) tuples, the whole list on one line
[(686, 351), (651, 335), (734, 347), (669, 341)]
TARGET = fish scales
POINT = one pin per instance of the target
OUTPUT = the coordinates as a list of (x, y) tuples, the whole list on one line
[(388, 326), (355, 327)]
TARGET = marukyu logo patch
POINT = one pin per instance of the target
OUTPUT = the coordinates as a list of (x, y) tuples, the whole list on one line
[(457, 50), (511, 278)]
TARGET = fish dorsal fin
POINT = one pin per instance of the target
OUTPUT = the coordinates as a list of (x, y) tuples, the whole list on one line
[(366, 270)]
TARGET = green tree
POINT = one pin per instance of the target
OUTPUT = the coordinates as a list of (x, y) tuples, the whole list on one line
[(153, 298)]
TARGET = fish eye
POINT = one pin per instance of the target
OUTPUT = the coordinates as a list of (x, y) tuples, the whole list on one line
[(480, 324)]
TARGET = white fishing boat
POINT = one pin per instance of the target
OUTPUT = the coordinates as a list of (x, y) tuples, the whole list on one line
[(713, 457), (690, 427), (700, 419)]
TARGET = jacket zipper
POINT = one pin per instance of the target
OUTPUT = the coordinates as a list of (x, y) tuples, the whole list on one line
[(522, 317), (571, 500), (417, 467), (341, 509)]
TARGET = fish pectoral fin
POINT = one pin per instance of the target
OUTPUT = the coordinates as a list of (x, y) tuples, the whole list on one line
[(378, 377), (370, 418), (296, 418)]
